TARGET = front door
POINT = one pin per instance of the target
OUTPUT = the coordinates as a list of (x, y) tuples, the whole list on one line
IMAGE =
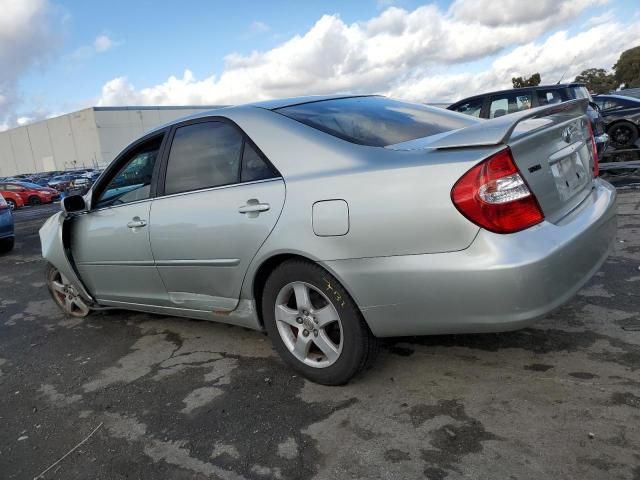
[(110, 244), (221, 200)]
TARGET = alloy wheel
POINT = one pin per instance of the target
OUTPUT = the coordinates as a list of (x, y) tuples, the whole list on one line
[(622, 134), (309, 324), (65, 295)]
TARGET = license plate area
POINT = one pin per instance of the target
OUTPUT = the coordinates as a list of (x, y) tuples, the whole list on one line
[(570, 174)]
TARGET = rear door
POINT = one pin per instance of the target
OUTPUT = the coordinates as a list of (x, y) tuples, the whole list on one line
[(221, 199)]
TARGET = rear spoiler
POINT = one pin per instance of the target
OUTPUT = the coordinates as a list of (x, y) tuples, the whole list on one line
[(500, 130)]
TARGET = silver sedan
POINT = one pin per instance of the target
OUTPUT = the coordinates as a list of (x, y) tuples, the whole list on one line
[(331, 222)]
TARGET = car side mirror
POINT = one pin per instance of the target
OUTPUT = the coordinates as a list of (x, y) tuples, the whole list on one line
[(74, 204)]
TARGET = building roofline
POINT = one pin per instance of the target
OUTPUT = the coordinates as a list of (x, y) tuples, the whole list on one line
[(158, 107)]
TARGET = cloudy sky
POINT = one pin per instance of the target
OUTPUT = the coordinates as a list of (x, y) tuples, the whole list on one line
[(58, 56)]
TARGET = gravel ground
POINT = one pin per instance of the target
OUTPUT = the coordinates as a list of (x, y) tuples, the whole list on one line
[(182, 399)]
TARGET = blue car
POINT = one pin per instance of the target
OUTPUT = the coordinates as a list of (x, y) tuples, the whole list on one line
[(6, 226)]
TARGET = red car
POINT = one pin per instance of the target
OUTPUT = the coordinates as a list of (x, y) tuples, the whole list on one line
[(29, 193), (13, 199)]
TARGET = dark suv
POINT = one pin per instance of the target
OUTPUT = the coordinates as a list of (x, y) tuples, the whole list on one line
[(504, 102)]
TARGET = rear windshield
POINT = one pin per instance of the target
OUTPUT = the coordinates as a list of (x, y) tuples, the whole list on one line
[(376, 121)]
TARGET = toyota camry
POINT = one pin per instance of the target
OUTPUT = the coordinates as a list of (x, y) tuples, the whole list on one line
[(331, 222)]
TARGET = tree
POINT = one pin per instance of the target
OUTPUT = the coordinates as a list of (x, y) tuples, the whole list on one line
[(532, 81), (627, 68), (597, 80)]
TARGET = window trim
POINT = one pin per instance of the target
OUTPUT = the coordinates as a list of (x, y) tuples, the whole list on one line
[(162, 173), (115, 166)]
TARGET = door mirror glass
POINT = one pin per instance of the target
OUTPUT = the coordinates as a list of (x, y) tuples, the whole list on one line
[(74, 203)]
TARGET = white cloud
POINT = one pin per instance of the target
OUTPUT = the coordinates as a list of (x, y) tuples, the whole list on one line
[(257, 28), (397, 52), (25, 41), (521, 12), (102, 43)]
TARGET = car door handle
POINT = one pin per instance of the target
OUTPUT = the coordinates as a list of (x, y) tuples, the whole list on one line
[(136, 222), (251, 207)]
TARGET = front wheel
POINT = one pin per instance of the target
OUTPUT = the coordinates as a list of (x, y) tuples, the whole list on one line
[(65, 294), (314, 324), (34, 201)]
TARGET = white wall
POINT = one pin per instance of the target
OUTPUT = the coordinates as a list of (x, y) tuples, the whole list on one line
[(86, 138), (118, 128)]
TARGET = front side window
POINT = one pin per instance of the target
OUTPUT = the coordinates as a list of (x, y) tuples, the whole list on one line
[(375, 121), (203, 155), (133, 181)]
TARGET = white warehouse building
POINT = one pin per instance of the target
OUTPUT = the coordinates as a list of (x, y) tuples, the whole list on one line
[(84, 139)]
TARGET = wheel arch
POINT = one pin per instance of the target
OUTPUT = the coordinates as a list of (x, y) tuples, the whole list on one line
[(271, 263)]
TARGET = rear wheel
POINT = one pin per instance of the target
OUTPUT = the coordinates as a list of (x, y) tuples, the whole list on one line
[(314, 324), (34, 201), (12, 203), (64, 294), (623, 134)]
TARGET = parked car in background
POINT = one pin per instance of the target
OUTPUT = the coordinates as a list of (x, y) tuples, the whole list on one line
[(504, 102), (80, 185), (7, 237), (31, 193), (332, 221), (628, 92), (13, 199), (61, 182), (621, 117)]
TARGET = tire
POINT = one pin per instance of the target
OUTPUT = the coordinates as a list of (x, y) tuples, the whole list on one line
[(7, 244), (64, 295), (34, 201), (623, 134), (12, 203), (354, 343)]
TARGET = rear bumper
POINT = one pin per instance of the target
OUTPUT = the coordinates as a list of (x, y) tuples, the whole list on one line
[(6, 223), (499, 283)]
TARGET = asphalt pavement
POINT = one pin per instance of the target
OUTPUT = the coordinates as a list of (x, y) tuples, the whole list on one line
[(127, 395)]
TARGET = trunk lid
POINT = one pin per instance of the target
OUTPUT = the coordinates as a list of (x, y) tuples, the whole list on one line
[(557, 164), (550, 146)]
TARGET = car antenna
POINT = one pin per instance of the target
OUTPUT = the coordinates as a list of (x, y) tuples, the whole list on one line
[(567, 69)]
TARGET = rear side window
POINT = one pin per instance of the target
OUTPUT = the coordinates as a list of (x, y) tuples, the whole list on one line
[(548, 97), (511, 103), (472, 107), (254, 167), (203, 155), (375, 121), (213, 154)]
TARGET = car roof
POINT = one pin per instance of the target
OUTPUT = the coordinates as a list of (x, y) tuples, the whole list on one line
[(266, 104), (556, 86), (618, 97)]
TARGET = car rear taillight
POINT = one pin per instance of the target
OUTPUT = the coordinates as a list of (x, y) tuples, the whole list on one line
[(494, 196), (594, 151)]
